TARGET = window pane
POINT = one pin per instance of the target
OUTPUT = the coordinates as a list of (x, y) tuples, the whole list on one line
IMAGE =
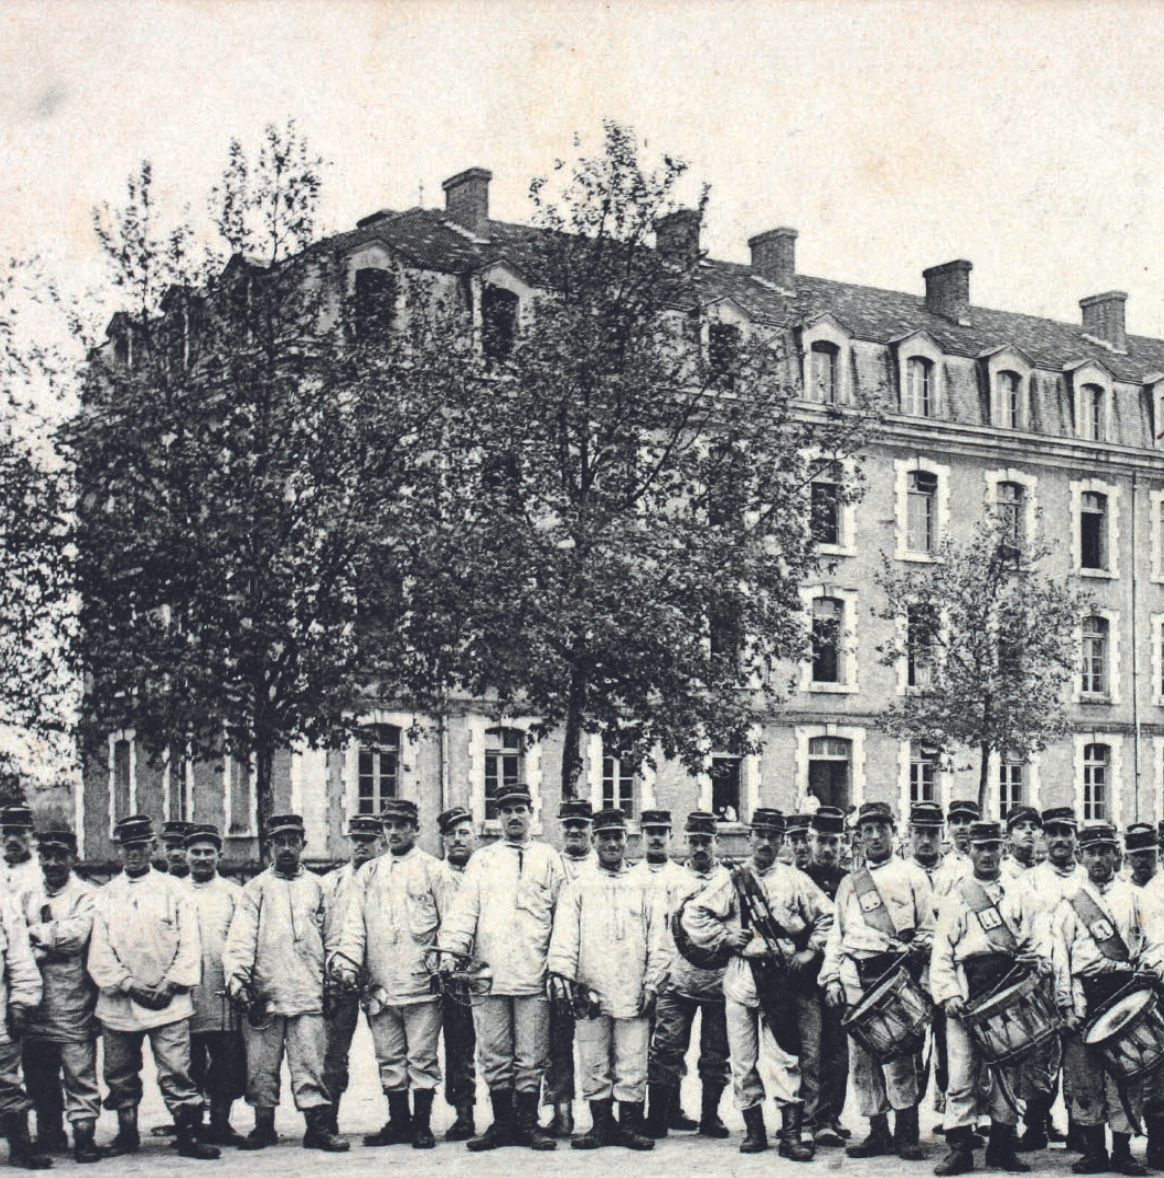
[(1010, 786), (1093, 531), (826, 513), (725, 788), (827, 613), (1095, 651), (823, 374), (1010, 506), (1096, 758), (918, 387), (122, 752), (920, 522), (504, 763), (498, 322)]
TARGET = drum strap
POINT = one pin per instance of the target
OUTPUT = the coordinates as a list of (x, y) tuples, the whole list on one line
[(990, 918), (1100, 925), (873, 909)]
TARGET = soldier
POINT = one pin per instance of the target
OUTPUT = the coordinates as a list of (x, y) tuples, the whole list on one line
[(796, 836), (504, 912), (609, 936), (274, 957), (985, 928), (399, 901), (459, 841), (173, 839), (1142, 855), (146, 958), (61, 1036), (825, 870), (882, 911), (956, 861), (20, 870), (1023, 825), (574, 818), (688, 989), (217, 1056), (925, 838), (364, 842), (1101, 939), (764, 1060)]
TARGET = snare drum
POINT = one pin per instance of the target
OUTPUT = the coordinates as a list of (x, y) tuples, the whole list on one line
[(1013, 1021), (1129, 1033), (891, 1018)]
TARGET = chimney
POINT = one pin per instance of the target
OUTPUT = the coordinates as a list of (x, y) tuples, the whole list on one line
[(774, 257), (948, 291), (677, 237), (467, 198), (1103, 318)]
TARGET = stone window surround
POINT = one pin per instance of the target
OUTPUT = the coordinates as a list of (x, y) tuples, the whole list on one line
[(849, 668), (1112, 618), (1114, 742), (1079, 488), (903, 468), (854, 735)]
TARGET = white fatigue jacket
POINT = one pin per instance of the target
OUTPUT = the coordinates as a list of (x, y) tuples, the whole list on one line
[(675, 883), (145, 932), (20, 983), (339, 886), (908, 898), (1077, 955), (393, 917), (609, 935), (1013, 869), (962, 933), (503, 913), (276, 941), (60, 944), (954, 866), (215, 902), (1049, 884), (21, 878), (573, 865)]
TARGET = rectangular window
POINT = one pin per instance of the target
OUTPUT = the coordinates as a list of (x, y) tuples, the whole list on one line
[(1094, 657), (504, 763), (827, 615), (826, 513), (1010, 786), (919, 380), (924, 763), (823, 373), (1091, 413), (725, 788), (921, 507), (1093, 531), (618, 785), (1010, 508), (921, 630), (1096, 761), (378, 767), (374, 304), (242, 802), (122, 768)]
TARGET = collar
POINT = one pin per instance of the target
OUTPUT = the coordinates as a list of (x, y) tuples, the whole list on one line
[(884, 863), (279, 875), (621, 870)]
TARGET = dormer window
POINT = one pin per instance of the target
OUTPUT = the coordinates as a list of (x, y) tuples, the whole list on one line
[(824, 373), (1010, 400), (498, 322), (1091, 413), (374, 303), (917, 396)]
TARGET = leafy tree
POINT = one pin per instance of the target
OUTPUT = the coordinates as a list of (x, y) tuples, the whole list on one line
[(989, 642)]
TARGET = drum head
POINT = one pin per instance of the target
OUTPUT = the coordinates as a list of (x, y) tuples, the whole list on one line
[(873, 998), (999, 1000), (1110, 1022)]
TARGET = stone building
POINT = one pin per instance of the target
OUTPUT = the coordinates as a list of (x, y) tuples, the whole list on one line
[(1059, 425)]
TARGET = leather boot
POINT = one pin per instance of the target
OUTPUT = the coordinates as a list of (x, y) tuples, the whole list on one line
[(1154, 1126), (709, 1123), (188, 1134), (397, 1130), (319, 1134), (960, 1157), (1122, 1161), (422, 1137), (500, 1132), (755, 1136), (1076, 1136), (20, 1148), (85, 1148), (1035, 1118), (905, 1135), (332, 1116), (526, 1130), (263, 1134), (462, 1128), (878, 1144), (561, 1124), (1094, 1141), (659, 1098), (128, 1139), (50, 1133), (601, 1131), (677, 1119), (1001, 1150), (791, 1147), (629, 1130), (220, 1132)]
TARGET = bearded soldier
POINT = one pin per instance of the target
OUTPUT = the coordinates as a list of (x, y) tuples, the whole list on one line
[(146, 958), (609, 936), (19, 870), (364, 839), (503, 913), (883, 911), (459, 841), (274, 956), (688, 990), (60, 1040)]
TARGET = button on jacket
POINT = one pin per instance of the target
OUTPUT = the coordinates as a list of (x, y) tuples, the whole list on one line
[(60, 946), (215, 902)]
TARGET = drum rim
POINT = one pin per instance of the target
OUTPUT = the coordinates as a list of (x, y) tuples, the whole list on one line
[(1149, 1002), (891, 982), (985, 1005)]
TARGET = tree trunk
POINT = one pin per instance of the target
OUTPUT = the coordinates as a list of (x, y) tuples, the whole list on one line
[(264, 790), (983, 777), (572, 760)]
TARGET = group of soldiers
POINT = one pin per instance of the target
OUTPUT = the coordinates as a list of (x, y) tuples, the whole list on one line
[(526, 959)]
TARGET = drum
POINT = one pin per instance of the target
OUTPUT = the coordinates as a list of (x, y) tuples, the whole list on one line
[(891, 1019), (1014, 1020), (1128, 1032)]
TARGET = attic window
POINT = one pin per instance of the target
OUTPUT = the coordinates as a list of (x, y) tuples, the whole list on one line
[(498, 322), (374, 303), (1090, 424), (824, 373), (917, 397)]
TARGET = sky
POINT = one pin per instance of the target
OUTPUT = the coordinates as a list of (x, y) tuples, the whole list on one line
[(1023, 135)]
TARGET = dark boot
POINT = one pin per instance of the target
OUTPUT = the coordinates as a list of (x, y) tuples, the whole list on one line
[(501, 1131), (220, 1132), (50, 1133), (85, 1148), (1122, 1161), (128, 1140), (188, 1132), (960, 1157), (1076, 1136), (659, 1109), (601, 1131), (263, 1134), (20, 1148), (332, 1116), (755, 1136), (709, 1123), (629, 1130), (462, 1128), (319, 1134), (878, 1144), (791, 1147), (1036, 1117), (561, 1124), (905, 1135), (397, 1130), (526, 1130), (1001, 1150), (677, 1119), (1095, 1159), (422, 1137), (1154, 1125)]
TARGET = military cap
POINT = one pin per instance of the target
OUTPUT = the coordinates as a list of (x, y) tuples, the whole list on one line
[(655, 818), (829, 820), (400, 808), (926, 814), (764, 818), (137, 828), (964, 808), (364, 825), (282, 822), (16, 815), (575, 810), (514, 795), (985, 832), (57, 836), (203, 832), (1017, 814), (454, 816), (701, 822), (175, 830), (798, 823), (1059, 816), (1098, 835), (612, 819), (1140, 836), (874, 811)]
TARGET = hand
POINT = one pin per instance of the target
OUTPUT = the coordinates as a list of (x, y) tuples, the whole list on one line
[(1071, 1021), (18, 1019), (165, 989), (648, 1002), (834, 995), (801, 963), (236, 991), (955, 1007), (145, 996), (756, 950), (918, 950), (737, 939)]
